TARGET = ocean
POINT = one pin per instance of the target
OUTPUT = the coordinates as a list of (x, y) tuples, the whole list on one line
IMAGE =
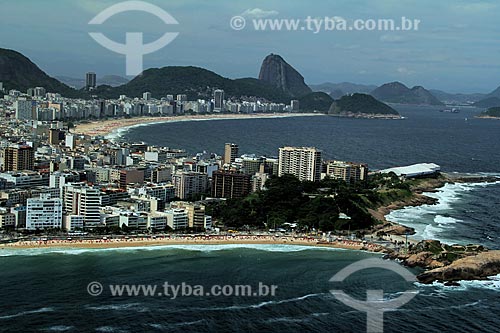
[(47, 290)]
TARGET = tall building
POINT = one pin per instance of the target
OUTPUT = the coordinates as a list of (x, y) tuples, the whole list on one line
[(252, 165), (90, 81), (295, 104), (18, 158), (349, 172), (177, 218), (39, 92), (24, 109), (195, 212), (302, 162), (226, 184), (82, 200), (230, 153), (54, 136), (190, 184), (218, 100), (146, 96), (131, 176), (44, 213)]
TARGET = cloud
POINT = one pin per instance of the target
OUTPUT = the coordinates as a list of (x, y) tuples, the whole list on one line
[(405, 71), (475, 7), (392, 39), (259, 13)]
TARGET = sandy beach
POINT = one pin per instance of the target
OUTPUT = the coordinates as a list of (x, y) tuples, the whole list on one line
[(194, 240), (106, 127)]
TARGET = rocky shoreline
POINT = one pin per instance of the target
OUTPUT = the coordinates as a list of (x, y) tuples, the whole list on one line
[(441, 262)]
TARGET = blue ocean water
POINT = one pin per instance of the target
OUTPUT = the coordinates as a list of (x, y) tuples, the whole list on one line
[(46, 290)]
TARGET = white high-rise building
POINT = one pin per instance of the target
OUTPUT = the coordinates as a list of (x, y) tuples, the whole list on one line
[(302, 162), (177, 218), (82, 200), (24, 109), (44, 213), (190, 184)]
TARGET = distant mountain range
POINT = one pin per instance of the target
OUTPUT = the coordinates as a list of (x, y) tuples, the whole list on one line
[(107, 80), (278, 82), (450, 98), (489, 102), (337, 90), (396, 92)]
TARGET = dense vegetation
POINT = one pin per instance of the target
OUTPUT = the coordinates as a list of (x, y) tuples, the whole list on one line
[(194, 82), (360, 104), (317, 101), (492, 112), (312, 205), (18, 72)]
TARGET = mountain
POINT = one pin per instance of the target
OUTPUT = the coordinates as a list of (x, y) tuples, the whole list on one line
[(360, 104), (316, 101), (18, 72), (194, 82), (71, 81), (495, 93), (491, 112), (396, 92), (277, 72), (337, 90), (488, 103), (112, 80), (449, 98)]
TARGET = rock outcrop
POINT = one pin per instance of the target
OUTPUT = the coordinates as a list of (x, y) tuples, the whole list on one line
[(276, 71), (477, 267)]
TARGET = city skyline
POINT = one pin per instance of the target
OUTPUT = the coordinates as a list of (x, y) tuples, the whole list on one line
[(452, 50)]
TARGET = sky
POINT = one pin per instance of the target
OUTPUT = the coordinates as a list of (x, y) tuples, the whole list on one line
[(456, 49)]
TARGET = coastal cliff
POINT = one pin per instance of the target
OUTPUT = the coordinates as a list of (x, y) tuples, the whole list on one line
[(477, 267), (442, 262)]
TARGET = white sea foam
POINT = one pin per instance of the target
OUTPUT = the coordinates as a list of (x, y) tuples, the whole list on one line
[(492, 283), (137, 307), (195, 248), (106, 329), (25, 313), (429, 221), (59, 328), (268, 303)]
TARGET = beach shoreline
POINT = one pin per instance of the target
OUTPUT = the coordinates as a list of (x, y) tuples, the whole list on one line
[(115, 243), (108, 127)]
